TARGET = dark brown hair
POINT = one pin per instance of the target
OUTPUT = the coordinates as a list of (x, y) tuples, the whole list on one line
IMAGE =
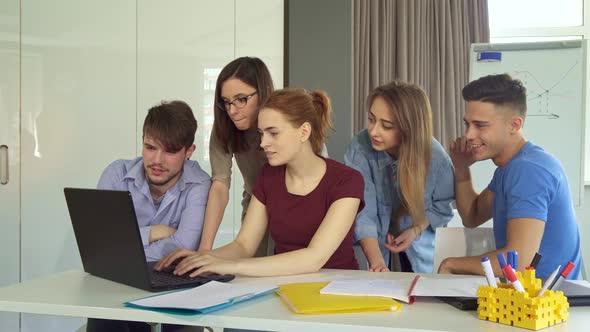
[(253, 72), (299, 107), (499, 90), (171, 123)]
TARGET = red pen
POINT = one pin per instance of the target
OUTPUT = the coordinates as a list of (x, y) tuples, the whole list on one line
[(566, 271)]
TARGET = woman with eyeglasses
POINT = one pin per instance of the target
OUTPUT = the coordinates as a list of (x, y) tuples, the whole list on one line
[(242, 86)]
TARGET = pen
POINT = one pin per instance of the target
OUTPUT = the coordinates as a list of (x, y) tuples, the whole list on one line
[(489, 272), (566, 271), (511, 276), (510, 258), (513, 259), (536, 260), (502, 262), (509, 273), (549, 281)]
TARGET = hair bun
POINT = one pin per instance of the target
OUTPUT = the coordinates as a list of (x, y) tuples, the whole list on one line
[(321, 101)]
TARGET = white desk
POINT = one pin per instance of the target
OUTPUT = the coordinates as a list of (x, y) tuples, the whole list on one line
[(75, 293)]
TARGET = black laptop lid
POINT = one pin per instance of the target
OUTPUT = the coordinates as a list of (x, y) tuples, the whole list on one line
[(108, 236)]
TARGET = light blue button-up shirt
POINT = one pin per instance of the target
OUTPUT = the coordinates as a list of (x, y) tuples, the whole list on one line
[(182, 207), (378, 169)]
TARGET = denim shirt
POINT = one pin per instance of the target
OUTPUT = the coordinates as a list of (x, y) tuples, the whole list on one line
[(378, 168), (182, 207)]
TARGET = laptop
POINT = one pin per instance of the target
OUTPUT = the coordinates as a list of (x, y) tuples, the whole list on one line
[(110, 244)]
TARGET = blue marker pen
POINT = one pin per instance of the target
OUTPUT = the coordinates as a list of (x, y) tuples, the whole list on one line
[(510, 257)]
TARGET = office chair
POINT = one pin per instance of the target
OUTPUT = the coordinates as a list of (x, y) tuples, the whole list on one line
[(461, 241)]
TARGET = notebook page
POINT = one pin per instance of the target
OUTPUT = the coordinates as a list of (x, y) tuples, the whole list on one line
[(396, 289), (462, 286)]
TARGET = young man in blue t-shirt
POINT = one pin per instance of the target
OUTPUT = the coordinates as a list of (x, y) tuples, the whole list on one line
[(528, 197)]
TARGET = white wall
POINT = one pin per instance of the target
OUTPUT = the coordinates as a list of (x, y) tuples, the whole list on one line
[(88, 72)]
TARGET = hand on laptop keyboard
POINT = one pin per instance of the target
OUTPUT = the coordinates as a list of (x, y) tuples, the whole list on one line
[(208, 275)]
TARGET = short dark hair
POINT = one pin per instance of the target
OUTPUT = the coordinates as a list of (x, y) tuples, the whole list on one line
[(171, 123), (252, 71), (501, 90)]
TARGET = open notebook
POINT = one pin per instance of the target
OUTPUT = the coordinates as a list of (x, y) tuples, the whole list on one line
[(406, 290)]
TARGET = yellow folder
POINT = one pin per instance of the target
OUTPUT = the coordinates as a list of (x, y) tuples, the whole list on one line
[(305, 298)]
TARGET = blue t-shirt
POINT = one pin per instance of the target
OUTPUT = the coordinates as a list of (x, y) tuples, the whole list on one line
[(533, 184)]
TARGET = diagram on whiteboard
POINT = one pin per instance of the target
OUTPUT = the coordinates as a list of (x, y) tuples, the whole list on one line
[(540, 94)]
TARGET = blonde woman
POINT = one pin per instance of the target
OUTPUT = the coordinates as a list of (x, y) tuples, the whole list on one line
[(409, 179)]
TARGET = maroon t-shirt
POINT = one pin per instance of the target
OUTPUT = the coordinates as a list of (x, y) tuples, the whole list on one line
[(294, 219)]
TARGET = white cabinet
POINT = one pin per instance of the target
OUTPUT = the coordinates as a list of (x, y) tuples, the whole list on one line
[(9, 152), (77, 80), (77, 115)]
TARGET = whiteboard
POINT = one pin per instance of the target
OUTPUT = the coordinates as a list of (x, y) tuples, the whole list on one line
[(553, 74)]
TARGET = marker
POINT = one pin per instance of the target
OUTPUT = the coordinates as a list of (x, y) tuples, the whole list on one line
[(549, 281), (515, 260), (502, 262), (566, 271), (536, 260), (511, 276), (489, 272), (510, 258), (509, 273)]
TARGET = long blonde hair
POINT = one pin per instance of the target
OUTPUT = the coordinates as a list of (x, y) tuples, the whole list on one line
[(412, 114)]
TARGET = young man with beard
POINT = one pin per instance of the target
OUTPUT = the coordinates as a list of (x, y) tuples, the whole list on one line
[(169, 191), (528, 197)]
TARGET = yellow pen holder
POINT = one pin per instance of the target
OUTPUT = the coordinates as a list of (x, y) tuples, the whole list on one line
[(507, 306)]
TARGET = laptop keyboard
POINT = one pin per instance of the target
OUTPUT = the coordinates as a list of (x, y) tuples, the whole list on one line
[(167, 278)]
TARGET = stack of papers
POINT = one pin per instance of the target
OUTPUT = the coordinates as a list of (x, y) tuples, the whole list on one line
[(202, 299)]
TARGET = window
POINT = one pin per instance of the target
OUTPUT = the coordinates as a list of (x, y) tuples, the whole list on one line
[(542, 20), (526, 14)]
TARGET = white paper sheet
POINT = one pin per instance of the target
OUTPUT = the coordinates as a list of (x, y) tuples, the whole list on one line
[(396, 289), (210, 294), (462, 286)]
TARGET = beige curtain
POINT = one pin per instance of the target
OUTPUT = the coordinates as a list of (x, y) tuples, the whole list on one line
[(420, 41)]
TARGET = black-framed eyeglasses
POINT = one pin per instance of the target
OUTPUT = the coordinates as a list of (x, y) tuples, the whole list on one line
[(238, 102)]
